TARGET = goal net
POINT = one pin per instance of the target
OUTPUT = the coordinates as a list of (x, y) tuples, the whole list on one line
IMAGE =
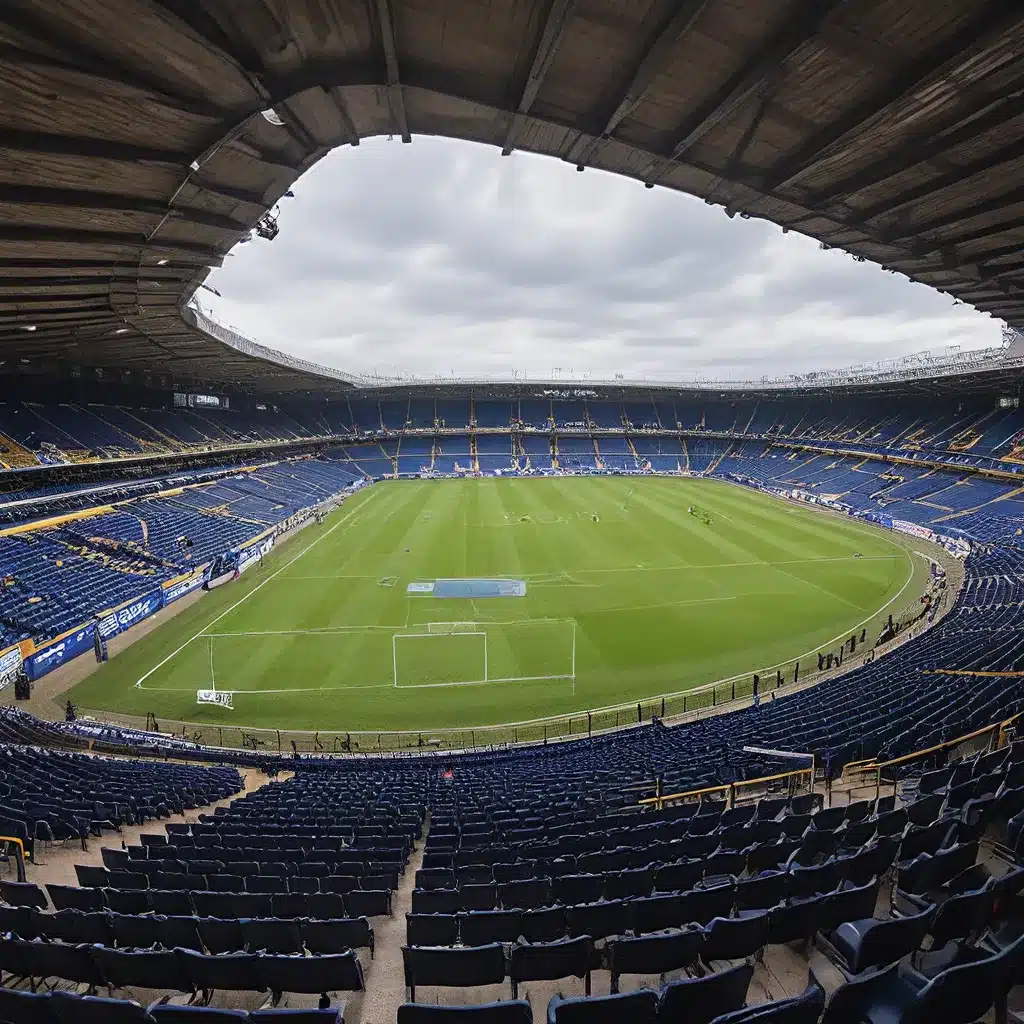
[(464, 653)]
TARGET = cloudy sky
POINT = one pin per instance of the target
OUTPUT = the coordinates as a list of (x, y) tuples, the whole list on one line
[(444, 257)]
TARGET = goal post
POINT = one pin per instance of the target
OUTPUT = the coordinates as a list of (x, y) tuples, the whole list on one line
[(465, 653)]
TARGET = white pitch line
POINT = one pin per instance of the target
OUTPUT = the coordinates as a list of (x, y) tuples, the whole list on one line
[(340, 576), (307, 632), (259, 586), (297, 689), (693, 566)]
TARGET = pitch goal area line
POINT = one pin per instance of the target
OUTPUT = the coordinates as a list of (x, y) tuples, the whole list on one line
[(487, 682), (396, 631)]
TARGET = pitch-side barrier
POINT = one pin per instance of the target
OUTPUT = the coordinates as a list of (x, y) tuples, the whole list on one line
[(694, 704)]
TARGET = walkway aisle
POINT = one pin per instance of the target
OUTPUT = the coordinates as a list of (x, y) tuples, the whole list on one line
[(385, 974)]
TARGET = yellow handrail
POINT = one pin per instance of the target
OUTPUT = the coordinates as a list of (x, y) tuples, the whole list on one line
[(727, 787), (870, 764), (21, 854)]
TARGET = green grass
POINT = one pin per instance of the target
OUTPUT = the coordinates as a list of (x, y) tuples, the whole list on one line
[(655, 600)]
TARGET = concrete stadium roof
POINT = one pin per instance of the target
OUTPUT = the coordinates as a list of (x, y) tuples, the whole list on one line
[(140, 140)]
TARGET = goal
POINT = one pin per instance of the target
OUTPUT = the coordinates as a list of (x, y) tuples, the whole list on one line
[(468, 653)]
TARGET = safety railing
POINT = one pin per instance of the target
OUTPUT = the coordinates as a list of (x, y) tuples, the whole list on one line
[(20, 858), (733, 792), (993, 736)]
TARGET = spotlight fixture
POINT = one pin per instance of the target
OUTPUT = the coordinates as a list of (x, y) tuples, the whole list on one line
[(266, 227), (28, 327)]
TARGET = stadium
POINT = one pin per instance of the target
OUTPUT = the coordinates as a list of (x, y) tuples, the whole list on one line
[(332, 696)]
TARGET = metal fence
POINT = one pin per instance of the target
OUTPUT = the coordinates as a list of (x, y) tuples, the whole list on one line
[(698, 702)]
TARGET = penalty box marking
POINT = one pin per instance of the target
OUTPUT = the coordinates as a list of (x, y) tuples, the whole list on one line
[(355, 630), (360, 510)]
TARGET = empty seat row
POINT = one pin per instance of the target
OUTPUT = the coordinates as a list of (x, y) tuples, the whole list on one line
[(246, 876), (209, 934), (785, 921), (717, 890), (181, 970), (26, 1007), (307, 901)]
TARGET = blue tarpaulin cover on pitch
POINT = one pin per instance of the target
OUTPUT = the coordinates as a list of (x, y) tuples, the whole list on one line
[(472, 588)]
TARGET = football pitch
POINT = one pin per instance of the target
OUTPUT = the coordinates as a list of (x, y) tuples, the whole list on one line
[(567, 594)]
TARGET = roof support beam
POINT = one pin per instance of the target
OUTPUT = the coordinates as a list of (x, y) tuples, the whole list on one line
[(75, 146), (104, 67), (652, 63), (235, 195), (64, 316), (60, 285), (756, 73), (136, 244), (236, 51), (933, 69), (1012, 223), (971, 123), (12, 303), (18, 263), (102, 81), (1015, 249), (1014, 151), (994, 205), (550, 38), (386, 28), (30, 195)]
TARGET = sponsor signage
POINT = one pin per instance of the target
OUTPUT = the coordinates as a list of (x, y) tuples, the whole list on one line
[(248, 557), (60, 651), (10, 666), (176, 589), (129, 613), (223, 698)]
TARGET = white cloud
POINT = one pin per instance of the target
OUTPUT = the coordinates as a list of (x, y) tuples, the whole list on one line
[(444, 256)]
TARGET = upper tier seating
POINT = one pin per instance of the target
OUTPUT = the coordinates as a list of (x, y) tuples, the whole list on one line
[(59, 577)]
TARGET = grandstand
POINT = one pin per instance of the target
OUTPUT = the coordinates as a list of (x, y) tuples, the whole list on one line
[(802, 846), (575, 874)]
